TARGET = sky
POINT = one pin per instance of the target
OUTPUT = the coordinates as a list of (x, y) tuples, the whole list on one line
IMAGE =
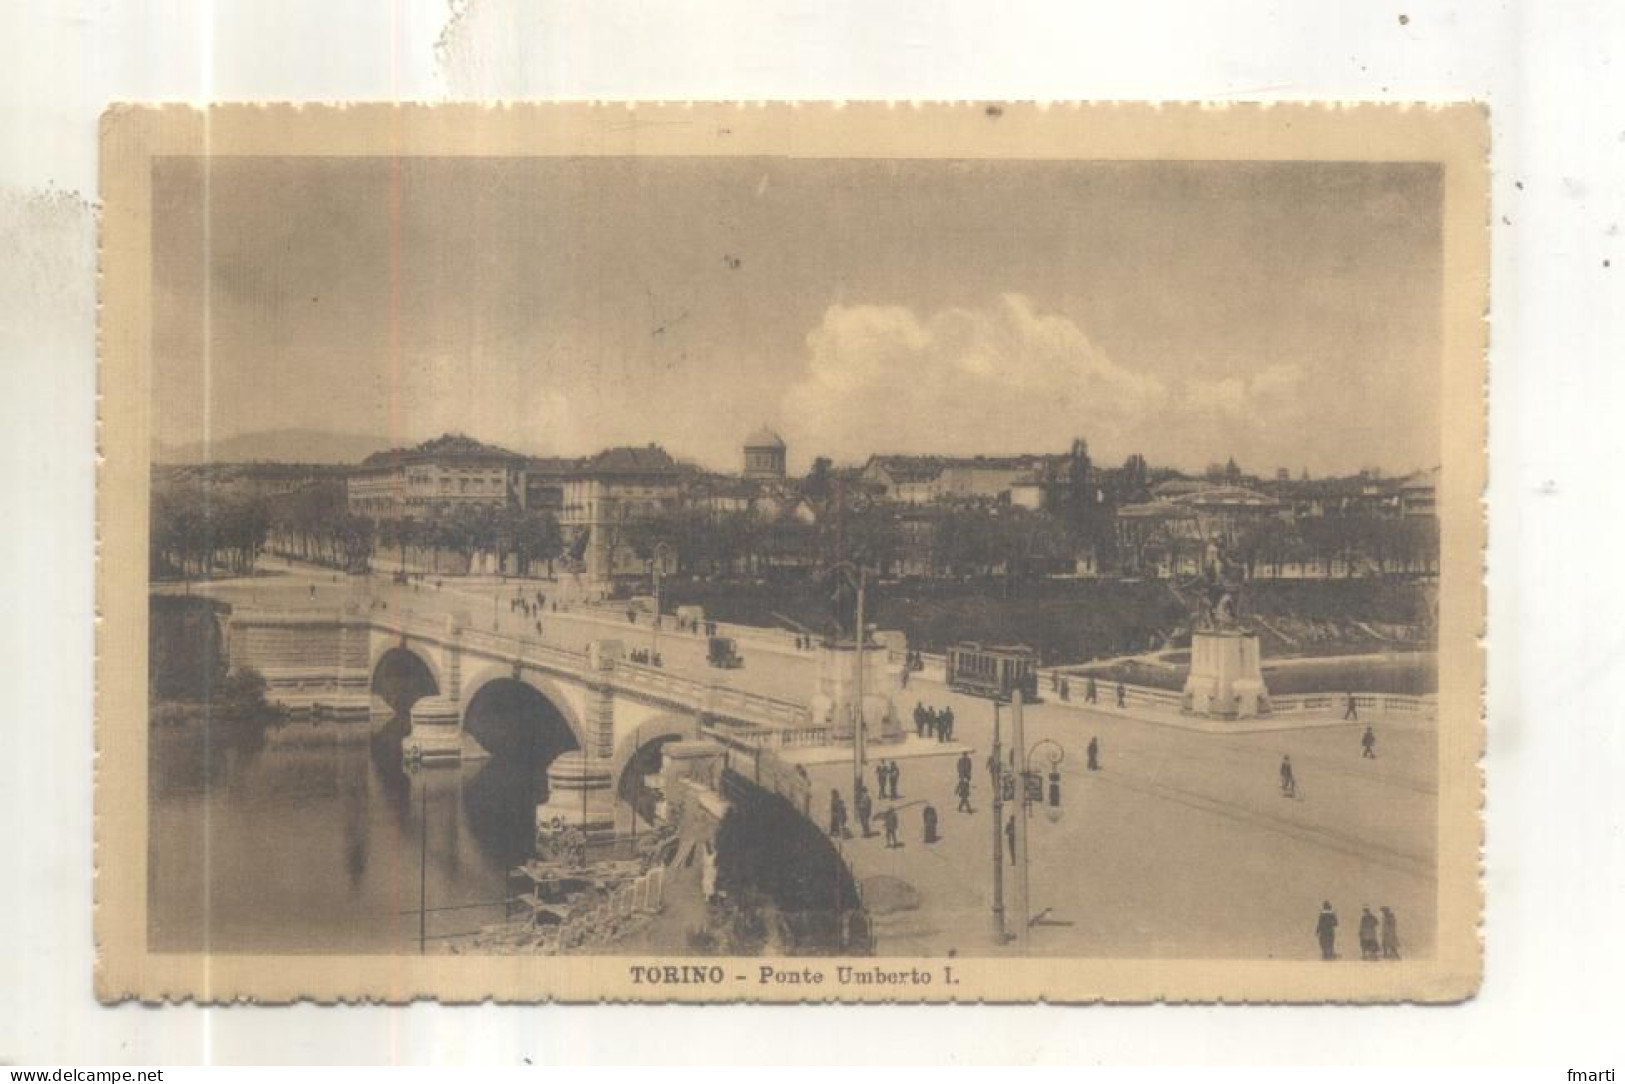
[(1285, 314)]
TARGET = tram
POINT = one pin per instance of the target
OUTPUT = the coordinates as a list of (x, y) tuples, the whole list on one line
[(993, 670)]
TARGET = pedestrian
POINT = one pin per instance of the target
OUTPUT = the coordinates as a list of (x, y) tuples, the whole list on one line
[(1369, 948), (889, 820), (1091, 694), (1066, 689), (312, 590), (881, 778), (1326, 931), (902, 678), (1010, 837), (946, 730), (1390, 935), (1122, 695), (931, 723), (1289, 782), (1351, 710), (930, 818), (896, 774), (919, 719), (1368, 745), (964, 766), (1055, 680), (837, 815), (865, 807), (1093, 752), (963, 791)]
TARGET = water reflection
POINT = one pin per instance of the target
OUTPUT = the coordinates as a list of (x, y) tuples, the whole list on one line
[(312, 840)]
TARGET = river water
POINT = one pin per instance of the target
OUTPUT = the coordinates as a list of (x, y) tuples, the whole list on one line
[(314, 839)]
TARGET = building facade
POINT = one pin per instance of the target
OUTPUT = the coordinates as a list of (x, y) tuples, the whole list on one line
[(446, 474), (605, 496)]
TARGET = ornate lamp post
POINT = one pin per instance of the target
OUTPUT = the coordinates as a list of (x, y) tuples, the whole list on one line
[(1021, 788)]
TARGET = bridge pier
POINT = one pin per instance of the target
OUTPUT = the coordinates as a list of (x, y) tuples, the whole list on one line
[(580, 794), (437, 730)]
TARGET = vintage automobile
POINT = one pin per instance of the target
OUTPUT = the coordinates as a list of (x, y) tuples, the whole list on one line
[(722, 653)]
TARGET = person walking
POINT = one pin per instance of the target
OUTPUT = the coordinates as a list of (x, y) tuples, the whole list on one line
[(946, 730), (1351, 709), (919, 719), (1066, 689), (1390, 935), (1326, 931), (1093, 753), (1368, 744), (1289, 782), (880, 778), (1091, 692), (837, 815), (902, 678), (931, 724), (865, 807), (889, 820), (1010, 837), (1369, 948), (929, 817), (965, 766), (893, 774), (1122, 695), (963, 791)]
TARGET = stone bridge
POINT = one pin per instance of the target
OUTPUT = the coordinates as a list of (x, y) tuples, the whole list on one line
[(596, 719)]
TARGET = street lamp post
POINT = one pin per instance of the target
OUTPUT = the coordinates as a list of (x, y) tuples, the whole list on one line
[(856, 575), (658, 572), (995, 768), (1022, 779)]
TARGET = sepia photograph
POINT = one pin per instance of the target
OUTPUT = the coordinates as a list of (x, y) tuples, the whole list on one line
[(864, 553)]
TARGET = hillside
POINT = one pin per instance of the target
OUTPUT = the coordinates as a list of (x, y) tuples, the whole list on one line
[(277, 446)]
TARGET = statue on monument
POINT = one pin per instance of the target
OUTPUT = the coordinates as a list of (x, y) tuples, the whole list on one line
[(843, 605), (1219, 600)]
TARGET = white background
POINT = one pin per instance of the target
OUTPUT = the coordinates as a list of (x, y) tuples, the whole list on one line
[(1556, 835)]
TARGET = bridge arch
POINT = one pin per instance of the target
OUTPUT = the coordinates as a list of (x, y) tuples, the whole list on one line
[(638, 755), (520, 718), (401, 677)]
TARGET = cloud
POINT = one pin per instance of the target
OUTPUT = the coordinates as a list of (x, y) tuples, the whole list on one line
[(1000, 378), (1263, 397)]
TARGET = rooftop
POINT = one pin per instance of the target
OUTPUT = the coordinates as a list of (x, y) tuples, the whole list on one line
[(764, 438)]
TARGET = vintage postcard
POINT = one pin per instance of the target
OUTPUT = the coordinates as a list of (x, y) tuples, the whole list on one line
[(791, 552)]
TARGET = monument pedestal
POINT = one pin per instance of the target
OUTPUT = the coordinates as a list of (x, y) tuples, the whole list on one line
[(1225, 681), (835, 704)]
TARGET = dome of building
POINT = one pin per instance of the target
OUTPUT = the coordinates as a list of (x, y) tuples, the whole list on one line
[(764, 438)]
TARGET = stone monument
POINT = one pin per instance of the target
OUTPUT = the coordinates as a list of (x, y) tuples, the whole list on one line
[(844, 668), (1225, 680)]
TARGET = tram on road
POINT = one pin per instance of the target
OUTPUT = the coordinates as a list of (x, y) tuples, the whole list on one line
[(993, 670)]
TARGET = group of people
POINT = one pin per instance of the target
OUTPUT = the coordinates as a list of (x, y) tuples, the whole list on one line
[(887, 773), (530, 607), (864, 807), (1379, 939), (645, 656), (1062, 687), (805, 642), (932, 723)]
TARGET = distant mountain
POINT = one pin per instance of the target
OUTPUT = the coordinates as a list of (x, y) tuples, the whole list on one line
[(276, 446)]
